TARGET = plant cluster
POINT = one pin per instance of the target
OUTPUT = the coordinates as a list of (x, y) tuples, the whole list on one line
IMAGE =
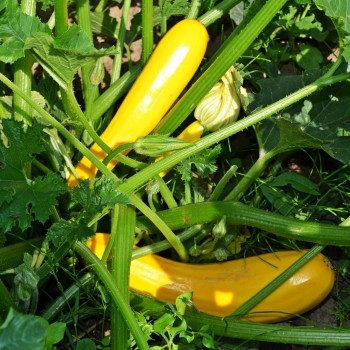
[(272, 174)]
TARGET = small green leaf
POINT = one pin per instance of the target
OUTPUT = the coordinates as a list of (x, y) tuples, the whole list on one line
[(297, 181), (309, 57), (86, 344), (55, 333), (23, 332), (280, 201), (182, 301), (163, 323)]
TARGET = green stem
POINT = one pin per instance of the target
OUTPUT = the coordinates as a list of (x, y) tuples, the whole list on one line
[(166, 193), (234, 47), (12, 255), (252, 174), (163, 227), (147, 30), (101, 5), (61, 17), (163, 245), (56, 307), (278, 281), (171, 160), (222, 183), (23, 74), (269, 333), (217, 12), (115, 91), (122, 233), (241, 214), (116, 295), (6, 302), (121, 32), (90, 91), (194, 9)]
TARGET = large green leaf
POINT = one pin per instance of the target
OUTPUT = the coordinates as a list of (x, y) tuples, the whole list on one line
[(24, 199), (63, 56), (321, 121), (15, 28)]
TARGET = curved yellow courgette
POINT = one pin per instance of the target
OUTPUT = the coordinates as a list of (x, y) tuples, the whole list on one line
[(169, 69), (220, 288)]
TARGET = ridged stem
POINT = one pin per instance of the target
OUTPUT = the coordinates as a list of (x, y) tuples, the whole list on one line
[(116, 295), (122, 234)]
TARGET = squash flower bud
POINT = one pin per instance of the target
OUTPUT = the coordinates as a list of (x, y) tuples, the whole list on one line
[(221, 105), (158, 145)]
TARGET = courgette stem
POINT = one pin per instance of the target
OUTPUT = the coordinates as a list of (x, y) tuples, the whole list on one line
[(61, 17), (217, 12), (241, 214), (250, 176), (23, 74), (236, 329), (120, 34), (122, 233), (147, 30), (90, 91), (52, 311), (12, 255), (194, 9), (6, 302), (116, 295)]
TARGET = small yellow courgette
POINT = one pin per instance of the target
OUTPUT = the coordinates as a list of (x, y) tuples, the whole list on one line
[(169, 69), (220, 288)]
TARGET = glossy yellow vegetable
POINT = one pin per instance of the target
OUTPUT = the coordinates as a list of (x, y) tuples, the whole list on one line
[(166, 74), (220, 288)]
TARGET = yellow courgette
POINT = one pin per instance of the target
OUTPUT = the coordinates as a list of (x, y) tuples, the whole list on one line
[(169, 69), (220, 288)]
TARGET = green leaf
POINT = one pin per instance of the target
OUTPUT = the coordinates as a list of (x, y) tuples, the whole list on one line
[(309, 57), (55, 333), (174, 8), (280, 201), (23, 332), (68, 231), (203, 162), (163, 323), (86, 344), (63, 56), (322, 121), (338, 11), (182, 301), (24, 199), (297, 181), (15, 28)]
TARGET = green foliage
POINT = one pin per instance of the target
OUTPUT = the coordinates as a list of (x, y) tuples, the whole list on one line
[(15, 28), (24, 198), (29, 332), (91, 204), (203, 163), (320, 121)]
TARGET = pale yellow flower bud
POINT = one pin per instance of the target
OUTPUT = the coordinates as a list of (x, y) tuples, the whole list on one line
[(221, 105)]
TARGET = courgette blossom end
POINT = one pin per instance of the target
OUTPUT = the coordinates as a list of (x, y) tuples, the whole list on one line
[(221, 105)]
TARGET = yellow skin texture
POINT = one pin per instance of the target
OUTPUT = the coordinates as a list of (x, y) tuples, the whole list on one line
[(220, 288), (169, 69)]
